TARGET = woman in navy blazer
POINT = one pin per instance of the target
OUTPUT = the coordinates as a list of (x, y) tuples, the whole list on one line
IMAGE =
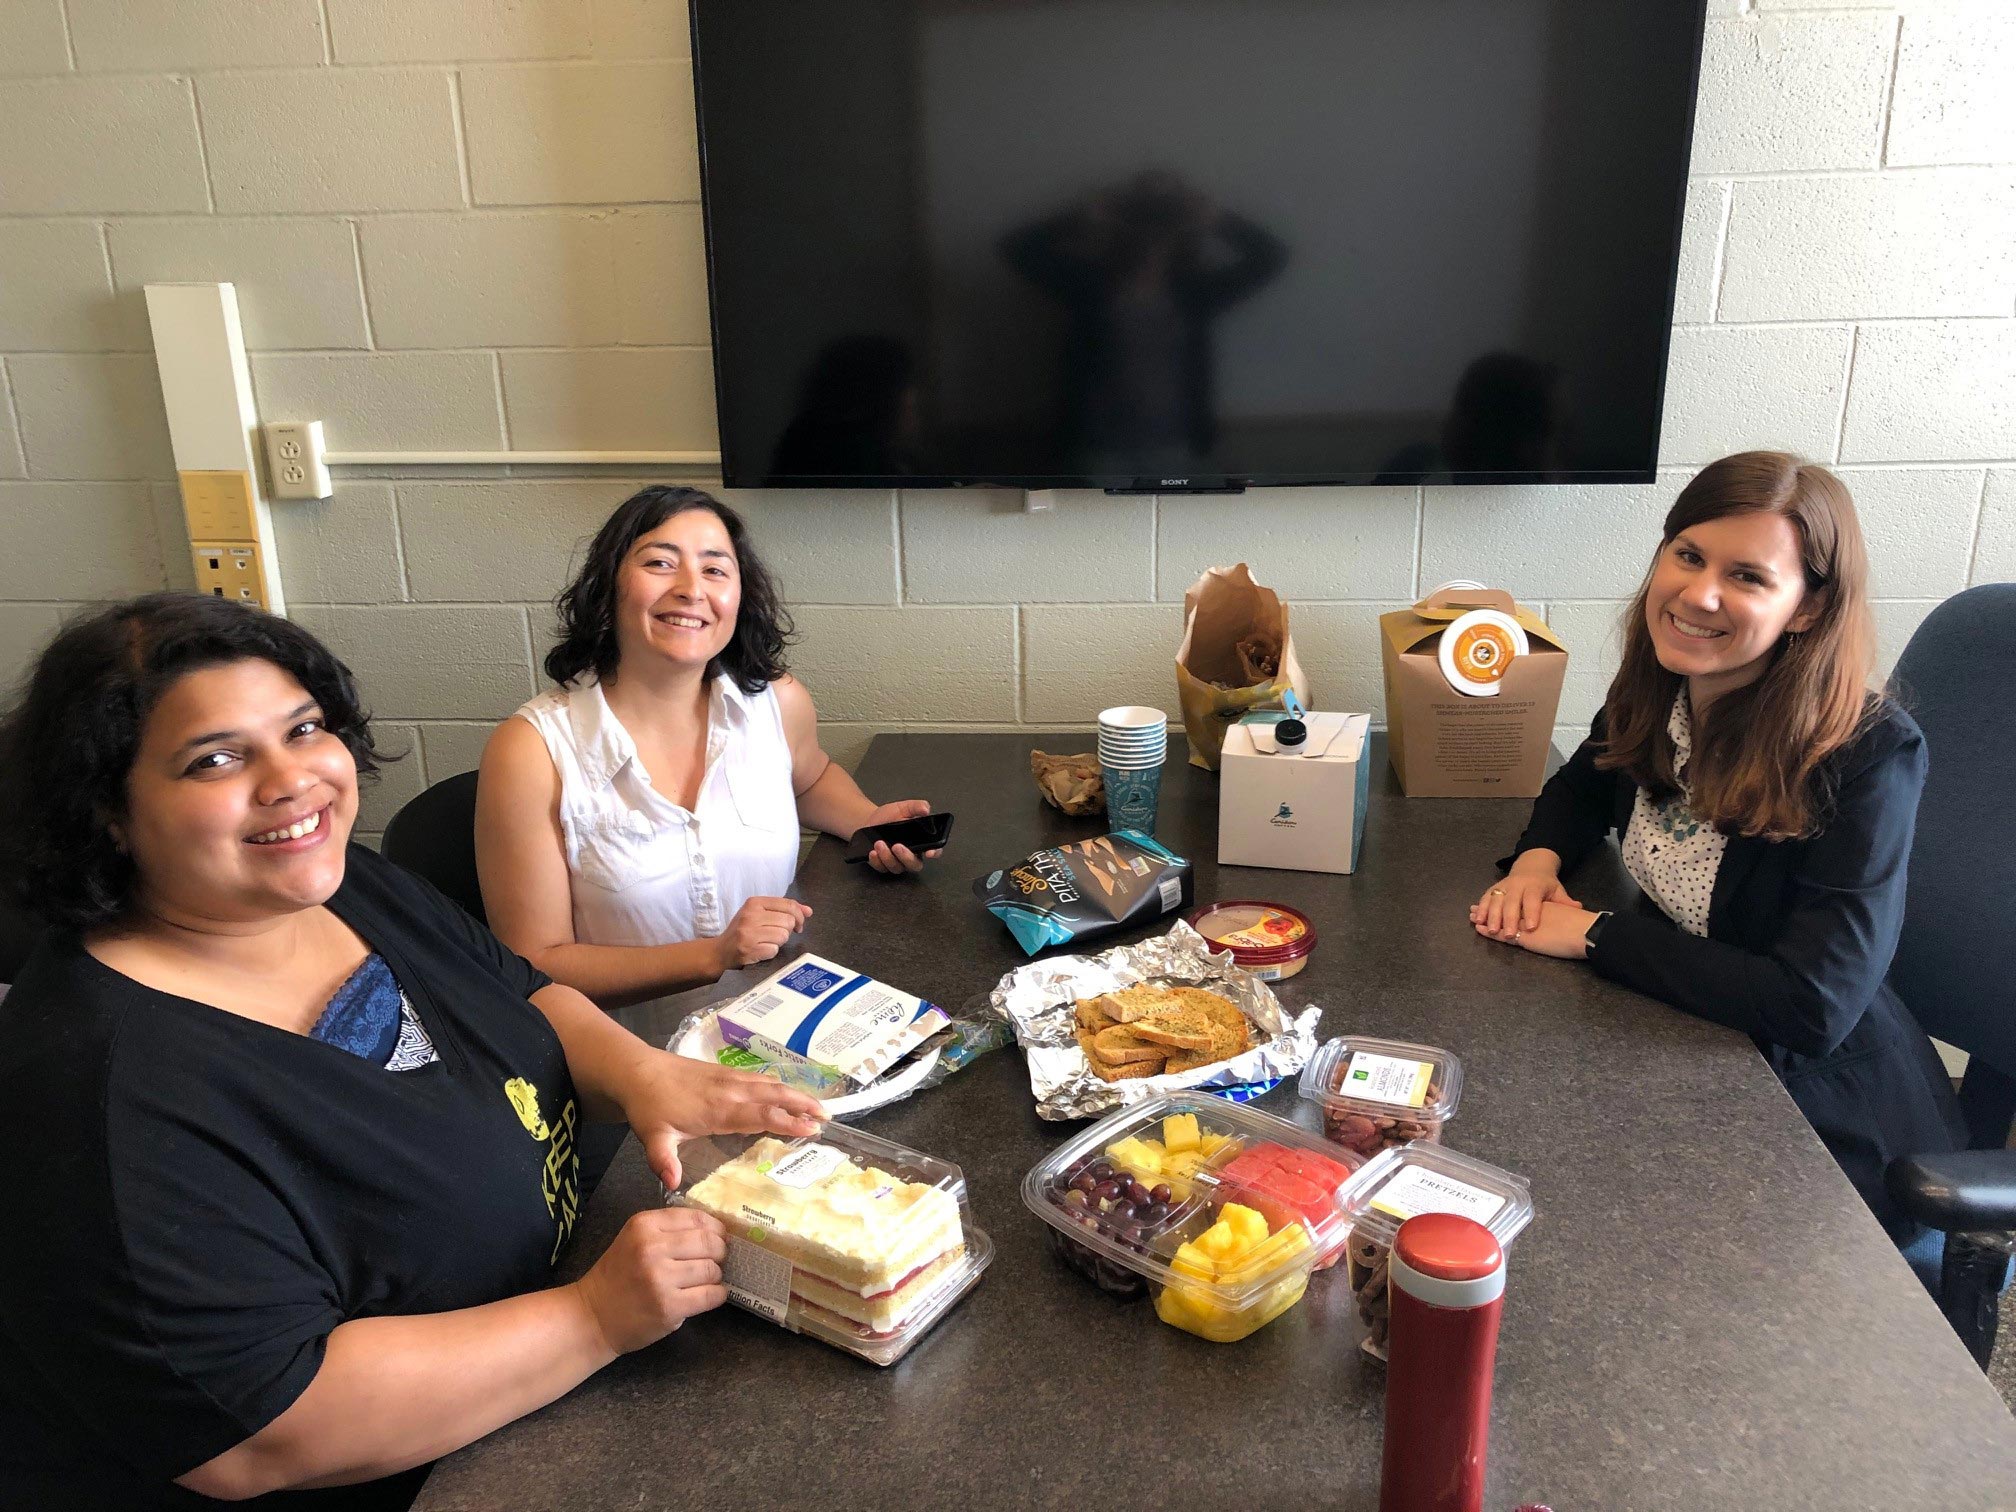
[(1764, 799)]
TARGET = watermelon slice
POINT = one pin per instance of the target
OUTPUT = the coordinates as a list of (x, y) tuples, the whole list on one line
[(1286, 1185)]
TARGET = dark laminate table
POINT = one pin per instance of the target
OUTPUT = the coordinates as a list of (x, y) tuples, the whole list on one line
[(1702, 1316)]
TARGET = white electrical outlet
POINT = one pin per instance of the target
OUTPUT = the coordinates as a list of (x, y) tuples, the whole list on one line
[(295, 457)]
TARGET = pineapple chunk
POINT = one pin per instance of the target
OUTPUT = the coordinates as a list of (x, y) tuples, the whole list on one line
[(1234, 1252), (1178, 1171), (1212, 1142), (1191, 1261), (1221, 1242), (1249, 1225), (1264, 1256), (1179, 1132), (1142, 1157)]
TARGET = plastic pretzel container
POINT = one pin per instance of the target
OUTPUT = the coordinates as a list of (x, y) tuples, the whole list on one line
[(1405, 1183)]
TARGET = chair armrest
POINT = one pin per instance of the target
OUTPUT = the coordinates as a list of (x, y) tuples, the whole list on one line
[(1967, 1191)]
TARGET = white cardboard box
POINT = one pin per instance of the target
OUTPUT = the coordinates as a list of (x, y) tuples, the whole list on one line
[(1291, 811)]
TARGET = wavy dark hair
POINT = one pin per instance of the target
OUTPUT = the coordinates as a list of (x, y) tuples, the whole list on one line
[(754, 655), (1758, 766), (69, 737)]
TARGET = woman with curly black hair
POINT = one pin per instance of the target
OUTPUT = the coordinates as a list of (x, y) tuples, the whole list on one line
[(295, 1136), (637, 826)]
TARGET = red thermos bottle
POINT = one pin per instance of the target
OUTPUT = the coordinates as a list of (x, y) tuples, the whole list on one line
[(1446, 1284)]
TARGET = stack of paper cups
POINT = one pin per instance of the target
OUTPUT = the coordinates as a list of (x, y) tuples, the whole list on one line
[(1133, 741)]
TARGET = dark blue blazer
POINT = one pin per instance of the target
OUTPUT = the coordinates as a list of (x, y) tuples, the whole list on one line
[(1800, 938)]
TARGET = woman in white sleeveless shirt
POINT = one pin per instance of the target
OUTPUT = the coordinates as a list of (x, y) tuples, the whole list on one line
[(637, 825)]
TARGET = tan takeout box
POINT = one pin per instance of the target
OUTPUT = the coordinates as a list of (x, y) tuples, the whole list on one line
[(1445, 744)]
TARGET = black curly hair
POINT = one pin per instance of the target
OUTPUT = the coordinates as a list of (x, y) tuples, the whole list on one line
[(69, 737), (754, 655)]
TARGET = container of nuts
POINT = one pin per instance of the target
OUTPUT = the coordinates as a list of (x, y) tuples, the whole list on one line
[(1379, 1093), (1423, 1178)]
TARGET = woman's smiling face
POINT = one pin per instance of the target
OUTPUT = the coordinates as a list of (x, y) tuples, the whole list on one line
[(679, 590), (239, 801), (1722, 594)]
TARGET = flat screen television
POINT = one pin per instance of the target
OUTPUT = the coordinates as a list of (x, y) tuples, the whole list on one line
[(1192, 244)]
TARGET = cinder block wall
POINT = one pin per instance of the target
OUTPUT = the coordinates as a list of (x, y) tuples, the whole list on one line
[(472, 224)]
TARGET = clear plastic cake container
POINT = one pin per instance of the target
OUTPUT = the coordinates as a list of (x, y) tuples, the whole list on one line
[(1216, 1211), (1379, 1093), (1415, 1179), (848, 1238)]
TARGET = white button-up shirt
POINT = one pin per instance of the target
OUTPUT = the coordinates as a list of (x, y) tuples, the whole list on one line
[(644, 870)]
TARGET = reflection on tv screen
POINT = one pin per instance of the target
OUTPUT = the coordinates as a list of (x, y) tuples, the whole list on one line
[(1186, 243)]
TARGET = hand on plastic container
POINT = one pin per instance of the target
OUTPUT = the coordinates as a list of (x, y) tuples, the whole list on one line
[(1513, 904), (662, 1268), (898, 859), (759, 931), (670, 1098)]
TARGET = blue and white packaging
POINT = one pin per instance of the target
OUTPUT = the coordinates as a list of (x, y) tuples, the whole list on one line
[(834, 1027)]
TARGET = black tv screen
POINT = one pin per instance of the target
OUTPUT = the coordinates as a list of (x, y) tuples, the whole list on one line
[(1187, 244)]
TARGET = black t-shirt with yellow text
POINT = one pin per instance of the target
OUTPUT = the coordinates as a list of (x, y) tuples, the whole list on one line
[(196, 1200)]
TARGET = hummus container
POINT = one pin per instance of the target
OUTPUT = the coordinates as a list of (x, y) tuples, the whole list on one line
[(1271, 940)]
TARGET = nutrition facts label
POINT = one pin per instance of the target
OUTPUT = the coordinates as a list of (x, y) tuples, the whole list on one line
[(757, 1279)]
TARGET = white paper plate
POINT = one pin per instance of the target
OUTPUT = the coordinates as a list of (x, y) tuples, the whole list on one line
[(703, 1042)]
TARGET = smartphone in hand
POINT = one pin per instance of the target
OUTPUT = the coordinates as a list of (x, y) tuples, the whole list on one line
[(928, 833)]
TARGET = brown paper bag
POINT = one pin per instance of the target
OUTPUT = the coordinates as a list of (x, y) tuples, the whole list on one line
[(1237, 655)]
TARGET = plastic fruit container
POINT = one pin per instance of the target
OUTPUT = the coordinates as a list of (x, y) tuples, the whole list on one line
[(1218, 1212), (849, 1238), (1271, 940), (1422, 1178), (1378, 1093)]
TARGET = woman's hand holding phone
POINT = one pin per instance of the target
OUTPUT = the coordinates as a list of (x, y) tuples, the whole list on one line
[(899, 858)]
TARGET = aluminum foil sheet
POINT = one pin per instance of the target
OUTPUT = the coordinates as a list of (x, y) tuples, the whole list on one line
[(1037, 1002)]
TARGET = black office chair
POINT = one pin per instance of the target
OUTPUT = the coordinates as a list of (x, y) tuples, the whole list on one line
[(434, 836), (1953, 961)]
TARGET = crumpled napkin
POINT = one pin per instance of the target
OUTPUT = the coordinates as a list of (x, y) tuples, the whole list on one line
[(1071, 783)]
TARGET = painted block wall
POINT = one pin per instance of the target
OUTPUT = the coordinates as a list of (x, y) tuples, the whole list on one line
[(473, 224)]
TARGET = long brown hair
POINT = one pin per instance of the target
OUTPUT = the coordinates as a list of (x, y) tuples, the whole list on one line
[(1756, 764)]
